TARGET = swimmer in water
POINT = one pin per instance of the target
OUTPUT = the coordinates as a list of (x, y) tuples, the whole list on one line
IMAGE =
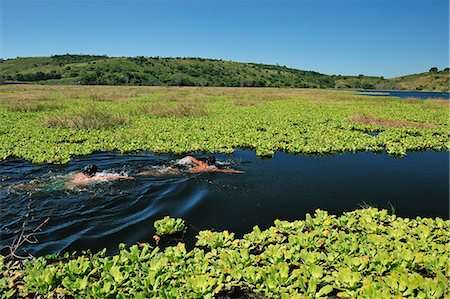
[(205, 165), (87, 176), (195, 166)]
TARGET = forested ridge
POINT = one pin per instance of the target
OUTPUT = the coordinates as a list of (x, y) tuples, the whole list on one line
[(157, 71)]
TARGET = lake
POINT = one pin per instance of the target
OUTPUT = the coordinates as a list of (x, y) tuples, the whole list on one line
[(284, 187), (406, 94)]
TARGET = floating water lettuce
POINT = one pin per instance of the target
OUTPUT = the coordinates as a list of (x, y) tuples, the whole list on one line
[(169, 226), (365, 253), (53, 123)]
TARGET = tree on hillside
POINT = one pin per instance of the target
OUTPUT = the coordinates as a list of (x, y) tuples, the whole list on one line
[(434, 70)]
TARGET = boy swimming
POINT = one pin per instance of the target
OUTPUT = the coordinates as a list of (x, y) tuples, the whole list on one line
[(87, 176), (192, 164), (205, 165)]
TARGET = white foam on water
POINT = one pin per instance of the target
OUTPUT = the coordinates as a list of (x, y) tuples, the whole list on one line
[(161, 168), (183, 161), (223, 163), (106, 173)]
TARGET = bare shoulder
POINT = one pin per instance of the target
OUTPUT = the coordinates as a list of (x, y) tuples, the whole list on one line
[(77, 176)]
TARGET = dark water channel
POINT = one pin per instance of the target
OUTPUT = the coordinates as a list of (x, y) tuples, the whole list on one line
[(284, 187)]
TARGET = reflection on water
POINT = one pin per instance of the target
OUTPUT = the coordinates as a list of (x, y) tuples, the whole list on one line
[(285, 187)]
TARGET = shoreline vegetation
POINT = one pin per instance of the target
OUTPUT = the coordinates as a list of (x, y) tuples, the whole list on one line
[(71, 69), (42, 123), (366, 253)]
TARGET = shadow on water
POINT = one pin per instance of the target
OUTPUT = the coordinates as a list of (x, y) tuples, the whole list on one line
[(284, 187)]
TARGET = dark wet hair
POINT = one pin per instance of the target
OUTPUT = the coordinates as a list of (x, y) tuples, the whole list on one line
[(211, 160), (90, 170)]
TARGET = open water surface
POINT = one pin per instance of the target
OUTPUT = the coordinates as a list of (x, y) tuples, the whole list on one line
[(406, 94), (284, 187)]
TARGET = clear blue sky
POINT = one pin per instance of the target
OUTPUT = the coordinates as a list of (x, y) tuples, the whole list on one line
[(350, 37)]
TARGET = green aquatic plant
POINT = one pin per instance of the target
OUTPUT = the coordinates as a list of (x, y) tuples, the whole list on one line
[(215, 239), (169, 226), (366, 253), (183, 120)]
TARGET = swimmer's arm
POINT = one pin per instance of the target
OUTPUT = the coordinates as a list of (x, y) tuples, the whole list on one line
[(196, 170), (193, 160), (17, 186), (226, 170), (21, 186), (29, 186), (147, 173), (126, 177)]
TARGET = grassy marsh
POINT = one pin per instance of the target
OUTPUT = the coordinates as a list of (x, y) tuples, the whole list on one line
[(85, 119)]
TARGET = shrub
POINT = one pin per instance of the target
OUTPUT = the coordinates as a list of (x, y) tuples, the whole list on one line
[(433, 70)]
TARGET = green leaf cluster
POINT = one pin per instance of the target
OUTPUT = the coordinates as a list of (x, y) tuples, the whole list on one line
[(365, 253), (169, 226)]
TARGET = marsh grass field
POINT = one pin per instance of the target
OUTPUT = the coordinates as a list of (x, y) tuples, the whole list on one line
[(54, 123)]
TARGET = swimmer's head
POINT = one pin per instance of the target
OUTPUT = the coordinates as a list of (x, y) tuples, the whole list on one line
[(90, 170), (211, 160)]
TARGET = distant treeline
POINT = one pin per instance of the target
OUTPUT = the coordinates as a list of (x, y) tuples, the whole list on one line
[(157, 71)]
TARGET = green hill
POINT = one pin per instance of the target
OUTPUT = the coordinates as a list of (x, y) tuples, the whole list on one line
[(102, 70), (156, 71), (432, 80)]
